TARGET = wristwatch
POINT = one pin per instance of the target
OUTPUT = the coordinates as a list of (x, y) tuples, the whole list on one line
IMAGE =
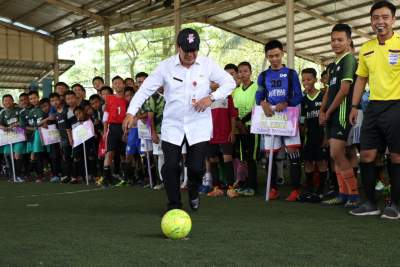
[(212, 98), (355, 106)]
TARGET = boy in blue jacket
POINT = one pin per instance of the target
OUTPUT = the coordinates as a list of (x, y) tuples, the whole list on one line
[(278, 88)]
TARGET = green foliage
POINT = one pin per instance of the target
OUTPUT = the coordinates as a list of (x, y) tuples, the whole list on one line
[(142, 51)]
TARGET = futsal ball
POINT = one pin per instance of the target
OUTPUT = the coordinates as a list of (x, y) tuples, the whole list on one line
[(176, 224)]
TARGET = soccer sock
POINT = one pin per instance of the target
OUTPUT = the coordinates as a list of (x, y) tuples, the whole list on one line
[(153, 171), (228, 169), (342, 187), (295, 169), (395, 182), (279, 167), (117, 163), (32, 165), (18, 167), (368, 179), (39, 166), (107, 174), (214, 173), (125, 170), (25, 160), (380, 173), (92, 167), (75, 168), (351, 184), (322, 180), (310, 181)]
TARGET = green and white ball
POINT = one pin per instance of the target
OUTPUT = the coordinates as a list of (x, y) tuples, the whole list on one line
[(176, 224)]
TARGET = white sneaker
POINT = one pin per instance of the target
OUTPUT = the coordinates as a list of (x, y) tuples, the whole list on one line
[(19, 180), (379, 186), (159, 186)]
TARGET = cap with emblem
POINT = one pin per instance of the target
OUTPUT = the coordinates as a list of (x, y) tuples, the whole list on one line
[(189, 40)]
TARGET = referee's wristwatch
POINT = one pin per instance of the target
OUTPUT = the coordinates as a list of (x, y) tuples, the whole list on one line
[(212, 98)]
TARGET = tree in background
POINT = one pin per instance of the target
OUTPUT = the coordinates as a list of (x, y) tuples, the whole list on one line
[(142, 51)]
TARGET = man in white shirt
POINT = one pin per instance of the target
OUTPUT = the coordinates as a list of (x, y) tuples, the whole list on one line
[(187, 118)]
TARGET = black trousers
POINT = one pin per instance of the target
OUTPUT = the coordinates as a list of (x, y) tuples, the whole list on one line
[(171, 170)]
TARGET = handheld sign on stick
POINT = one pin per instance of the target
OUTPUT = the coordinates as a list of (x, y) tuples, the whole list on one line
[(280, 124), (80, 135), (16, 135), (145, 136)]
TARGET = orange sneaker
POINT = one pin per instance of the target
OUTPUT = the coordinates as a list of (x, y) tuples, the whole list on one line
[(273, 194), (231, 192), (293, 196), (216, 192)]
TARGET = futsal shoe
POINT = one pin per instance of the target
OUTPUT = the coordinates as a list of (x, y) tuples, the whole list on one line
[(366, 209), (216, 192), (231, 192), (293, 196), (273, 194)]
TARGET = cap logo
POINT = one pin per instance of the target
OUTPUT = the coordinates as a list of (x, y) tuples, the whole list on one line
[(191, 38)]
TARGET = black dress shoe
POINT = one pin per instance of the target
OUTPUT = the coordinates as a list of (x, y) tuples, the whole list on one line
[(194, 203)]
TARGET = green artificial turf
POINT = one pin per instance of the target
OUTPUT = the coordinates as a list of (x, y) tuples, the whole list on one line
[(121, 227)]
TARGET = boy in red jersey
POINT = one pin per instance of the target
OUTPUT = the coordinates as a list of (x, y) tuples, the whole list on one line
[(224, 116), (114, 114)]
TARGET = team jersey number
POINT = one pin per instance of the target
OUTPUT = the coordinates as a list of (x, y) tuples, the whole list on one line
[(276, 83)]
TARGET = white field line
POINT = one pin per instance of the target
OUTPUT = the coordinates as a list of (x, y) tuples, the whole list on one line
[(59, 193)]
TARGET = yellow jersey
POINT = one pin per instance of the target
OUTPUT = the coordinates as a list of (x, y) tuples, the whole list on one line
[(380, 63)]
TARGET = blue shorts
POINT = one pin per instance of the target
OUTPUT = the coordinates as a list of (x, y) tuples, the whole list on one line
[(133, 142)]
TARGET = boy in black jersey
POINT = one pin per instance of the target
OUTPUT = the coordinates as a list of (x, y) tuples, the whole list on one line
[(335, 111), (61, 120), (72, 102), (97, 118), (313, 152)]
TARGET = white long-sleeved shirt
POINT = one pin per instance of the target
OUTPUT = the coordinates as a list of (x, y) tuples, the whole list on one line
[(182, 86)]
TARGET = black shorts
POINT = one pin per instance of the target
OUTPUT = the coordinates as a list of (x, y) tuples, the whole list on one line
[(312, 152), (338, 126), (381, 126), (114, 140), (214, 150)]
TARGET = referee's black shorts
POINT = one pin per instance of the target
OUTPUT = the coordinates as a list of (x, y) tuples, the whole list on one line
[(381, 126)]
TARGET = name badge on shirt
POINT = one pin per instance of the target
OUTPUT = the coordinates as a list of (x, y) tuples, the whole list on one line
[(11, 121), (193, 99), (393, 59)]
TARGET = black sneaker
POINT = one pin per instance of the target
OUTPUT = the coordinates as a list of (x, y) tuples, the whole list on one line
[(305, 197), (366, 209), (194, 203), (391, 212)]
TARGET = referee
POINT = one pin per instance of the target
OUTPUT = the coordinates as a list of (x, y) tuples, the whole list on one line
[(186, 79), (379, 65)]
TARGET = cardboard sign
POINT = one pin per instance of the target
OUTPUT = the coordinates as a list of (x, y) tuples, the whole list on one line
[(82, 132), (51, 135), (143, 130), (284, 123), (10, 137)]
